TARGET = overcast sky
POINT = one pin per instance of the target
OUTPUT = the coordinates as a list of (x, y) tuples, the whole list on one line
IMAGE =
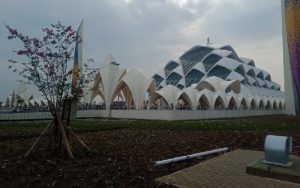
[(145, 34)]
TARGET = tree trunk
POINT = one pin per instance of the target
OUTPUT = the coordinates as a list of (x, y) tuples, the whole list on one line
[(60, 135), (63, 134)]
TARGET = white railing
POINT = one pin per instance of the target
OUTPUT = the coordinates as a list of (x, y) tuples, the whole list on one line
[(176, 114)]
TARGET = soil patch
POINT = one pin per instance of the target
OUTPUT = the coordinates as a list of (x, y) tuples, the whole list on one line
[(120, 157)]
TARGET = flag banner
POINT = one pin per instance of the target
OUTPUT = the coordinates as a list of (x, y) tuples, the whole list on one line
[(77, 57), (292, 25)]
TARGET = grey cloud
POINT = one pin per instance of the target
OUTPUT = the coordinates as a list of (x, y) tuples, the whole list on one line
[(142, 34), (245, 20)]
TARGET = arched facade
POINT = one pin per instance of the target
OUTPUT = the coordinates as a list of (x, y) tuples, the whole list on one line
[(203, 78), (220, 70)]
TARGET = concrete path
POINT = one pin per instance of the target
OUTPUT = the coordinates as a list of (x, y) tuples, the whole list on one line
[(228, 170)]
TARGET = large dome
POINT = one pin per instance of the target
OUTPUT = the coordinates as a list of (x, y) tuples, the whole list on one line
[(202, 62)]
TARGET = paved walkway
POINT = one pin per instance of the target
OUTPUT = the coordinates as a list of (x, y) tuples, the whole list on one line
[(228, 170)]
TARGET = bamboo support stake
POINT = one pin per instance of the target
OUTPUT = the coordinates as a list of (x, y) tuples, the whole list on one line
[(78, 139), (38, 139)]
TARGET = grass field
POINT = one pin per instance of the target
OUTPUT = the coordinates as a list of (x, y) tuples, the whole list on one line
[(33, 128)]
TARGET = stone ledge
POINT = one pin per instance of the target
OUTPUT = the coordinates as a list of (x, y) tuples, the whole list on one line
[(291, 173)]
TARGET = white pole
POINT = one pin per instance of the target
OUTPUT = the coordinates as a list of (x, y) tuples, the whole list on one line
[(182, 158)]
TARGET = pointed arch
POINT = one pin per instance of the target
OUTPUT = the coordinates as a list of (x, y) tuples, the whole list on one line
[(95, 93), (204, 102), (169, 93), (7, 102), (260, 75), (123, 89), (219, 103), (31, 103), (97, 100), (232, 104), (44, 103), (251, 63), (268, 105), (268, 77), (274, 106), (240, 69), (252, 104), (159, 102), (280, 105), (187, 102), (243, 104), (251, 73), (37, 103), (261, 104)]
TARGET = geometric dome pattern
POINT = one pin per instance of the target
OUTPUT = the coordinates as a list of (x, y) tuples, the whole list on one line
[(201, 62)]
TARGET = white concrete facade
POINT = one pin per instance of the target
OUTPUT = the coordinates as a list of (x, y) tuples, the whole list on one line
[(208, 97), (147, 114)]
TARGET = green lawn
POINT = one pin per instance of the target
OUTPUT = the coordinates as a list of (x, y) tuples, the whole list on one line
[(31, 128)]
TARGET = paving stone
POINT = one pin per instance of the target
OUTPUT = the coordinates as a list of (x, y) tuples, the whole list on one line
[(228, 170)]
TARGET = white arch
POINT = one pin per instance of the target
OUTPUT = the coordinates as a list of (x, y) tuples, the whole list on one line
[(268, 105), (216, 84), (221, 98), (242, 103), (231, 96), (266, 100), (110, 75), (208, 95), (280, 105), (274, 105), (97, 99), (259, 102), (138, 85), (231, 99), (191, 95)]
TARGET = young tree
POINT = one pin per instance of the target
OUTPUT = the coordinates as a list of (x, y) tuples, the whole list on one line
[(47, 63)]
